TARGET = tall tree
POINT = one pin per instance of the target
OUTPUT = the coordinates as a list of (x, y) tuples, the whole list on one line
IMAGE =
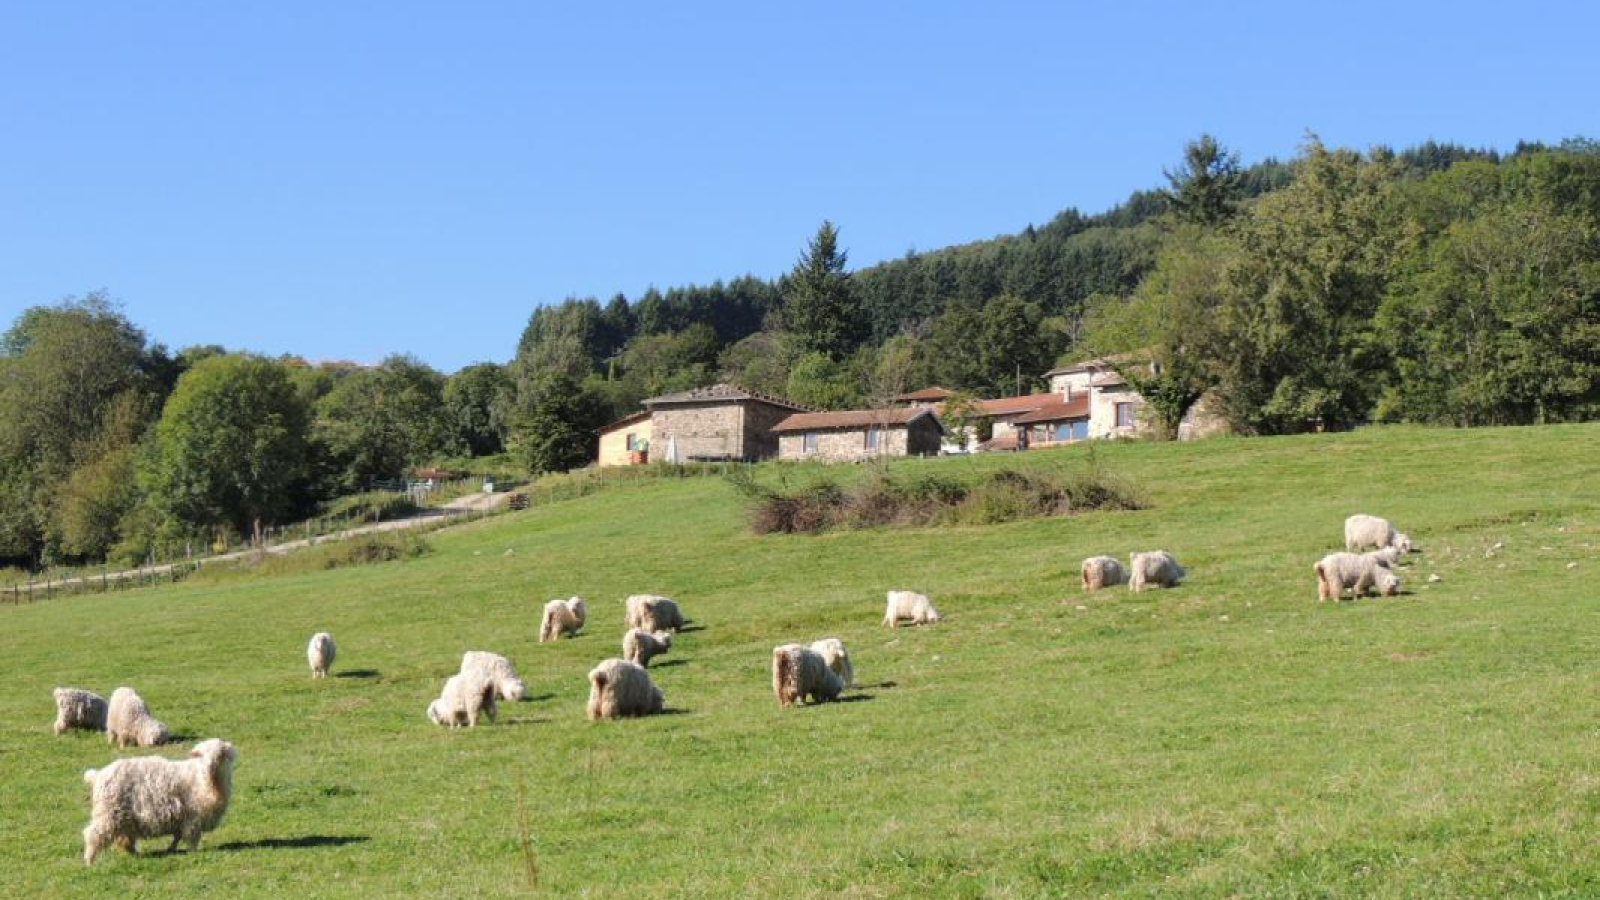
[(1206, 189), (476, 402), (378, 422), (818, 305), (230, 446), (555, 430)]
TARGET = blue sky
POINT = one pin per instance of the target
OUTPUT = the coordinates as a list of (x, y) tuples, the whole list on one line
[(347, 180)]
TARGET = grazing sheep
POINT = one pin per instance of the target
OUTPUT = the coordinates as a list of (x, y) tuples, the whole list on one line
[(128, 721), (320, 653), (837, 657), (149, 796), (1362, 531), (1156, 567), (620, 688), (1388, 556), (76, 708), (498, 670), (799, 672), (1103, 571), (465, 697), (653, 612), (640, 646), (562, 618), (910, 605), (1355, 572)]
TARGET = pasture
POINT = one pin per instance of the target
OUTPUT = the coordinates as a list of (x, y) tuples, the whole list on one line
[(1228, 738)]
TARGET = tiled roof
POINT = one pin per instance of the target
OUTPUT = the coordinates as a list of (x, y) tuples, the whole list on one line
[(720, 393), (854, 418), (1076, 408), (1007, 405), (629, 419), (1099, 362), (927, 393), (1109, 379)]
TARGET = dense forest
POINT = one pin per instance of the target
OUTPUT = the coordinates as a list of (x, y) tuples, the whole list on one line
[(1437, 284)]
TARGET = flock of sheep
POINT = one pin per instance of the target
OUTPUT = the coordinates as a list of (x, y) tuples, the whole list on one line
[(138, 798)]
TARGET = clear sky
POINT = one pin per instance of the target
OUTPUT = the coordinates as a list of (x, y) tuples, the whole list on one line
[(347, 180)]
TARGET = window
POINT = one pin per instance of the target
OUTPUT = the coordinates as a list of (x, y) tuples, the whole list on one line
[(1080, 429), (872, 439), (1063, 432), (633, 442), (1124, 415), (808, 442)]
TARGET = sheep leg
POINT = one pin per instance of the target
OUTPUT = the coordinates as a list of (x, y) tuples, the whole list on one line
[(94, 840), (176, 837)]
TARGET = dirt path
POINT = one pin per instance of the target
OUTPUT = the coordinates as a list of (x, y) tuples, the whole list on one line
[(471, 503)]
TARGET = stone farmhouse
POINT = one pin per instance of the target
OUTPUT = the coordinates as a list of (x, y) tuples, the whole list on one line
[(859, 434), (716, 423)]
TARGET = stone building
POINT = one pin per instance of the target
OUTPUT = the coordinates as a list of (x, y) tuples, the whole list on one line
[(860, 434), (1116, 409), (716, 423)]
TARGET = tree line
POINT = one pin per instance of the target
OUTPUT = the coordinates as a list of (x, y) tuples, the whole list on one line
[(1438, 284)]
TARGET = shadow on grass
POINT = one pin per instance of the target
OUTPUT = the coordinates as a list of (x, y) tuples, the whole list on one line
[(667, 664), (181, 737), (358, 673), (853, 698), (882, 685), (536, 698), (673, 711), (305, 842), (530, 720), (691, 627)]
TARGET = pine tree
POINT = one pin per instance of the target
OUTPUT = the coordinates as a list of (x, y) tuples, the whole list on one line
[(818, 303)]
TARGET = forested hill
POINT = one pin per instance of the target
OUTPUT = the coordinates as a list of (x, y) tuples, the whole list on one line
[(1438, 284)]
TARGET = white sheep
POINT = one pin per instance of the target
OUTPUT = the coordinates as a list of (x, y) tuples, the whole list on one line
[(320, 653), (562, 618), (799, 672), (77, 708), (1157, 567), (1363, 531), (653, 612), (640, 646), (909, 605), (1101, 572), (837, 657), (149, 796), (620, 688), (1355, 572), (128, 721), (498, 670), (1388, 556), (466, 696)]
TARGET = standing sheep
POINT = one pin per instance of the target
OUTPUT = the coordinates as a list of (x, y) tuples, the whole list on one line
[(320, 653), (909, 605), (1157, 567), (652, 612), (76, 708), (498, 670), (619, 688), (128, 721), (148, 796), (1101, 572), (799, 672), (1363, 531), (465, 697), (1355, 572), (562, 618), (640, 646), (837, 657)]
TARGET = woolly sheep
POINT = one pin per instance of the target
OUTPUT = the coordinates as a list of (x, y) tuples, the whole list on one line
[(1103, 571), (1363, 531), (653, 612), (837, 657), (149, 796), (320, 653), (620, 688), (465, 697), (76, 708), (640, 646), (1157, 567), (498, 670), (1355, 572), (128, 721), (562, 618), (909, 605), (799, 672)]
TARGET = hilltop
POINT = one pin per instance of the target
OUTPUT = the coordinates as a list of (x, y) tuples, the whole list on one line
[(1231, 737)]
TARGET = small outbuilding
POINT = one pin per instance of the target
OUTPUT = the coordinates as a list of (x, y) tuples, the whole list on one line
[(859, 434), (626, 442), (720, 422)]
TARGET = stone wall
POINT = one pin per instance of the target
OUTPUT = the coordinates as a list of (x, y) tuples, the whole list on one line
[(757, 437), (700, 429), (850, 444)]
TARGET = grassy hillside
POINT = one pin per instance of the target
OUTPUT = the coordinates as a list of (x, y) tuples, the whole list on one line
[(1231, 737)]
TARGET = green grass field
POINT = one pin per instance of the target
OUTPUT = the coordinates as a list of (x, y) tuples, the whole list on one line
[(1229, 738)]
